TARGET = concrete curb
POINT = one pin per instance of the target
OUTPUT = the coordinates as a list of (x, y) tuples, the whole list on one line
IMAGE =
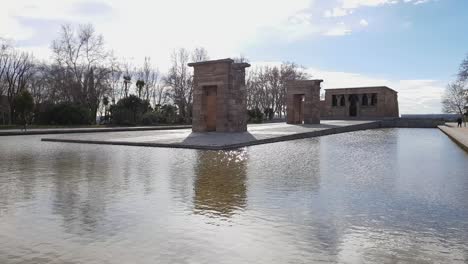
[(455, 138), (88, 130)]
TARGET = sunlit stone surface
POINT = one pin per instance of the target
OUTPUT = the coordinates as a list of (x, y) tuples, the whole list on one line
[(375, 196)]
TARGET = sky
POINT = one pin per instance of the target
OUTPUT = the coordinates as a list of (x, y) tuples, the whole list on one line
[(412, 46)]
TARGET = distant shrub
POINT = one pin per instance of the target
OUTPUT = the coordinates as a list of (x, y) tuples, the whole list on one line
[(150, 119), (24, 105), (269, 114), (129, 111), (62, 114), (255, 115), (168, 114)]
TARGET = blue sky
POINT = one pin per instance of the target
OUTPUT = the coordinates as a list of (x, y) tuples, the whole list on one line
[(424, 41), (413, 46)]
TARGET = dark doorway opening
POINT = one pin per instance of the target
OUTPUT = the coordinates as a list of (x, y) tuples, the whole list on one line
[(209, 107), (353, 99), (299, 100)]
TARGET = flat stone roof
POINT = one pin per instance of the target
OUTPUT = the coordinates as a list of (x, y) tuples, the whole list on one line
[(364, 87), (227, 60), (305, 81), (185, 138)]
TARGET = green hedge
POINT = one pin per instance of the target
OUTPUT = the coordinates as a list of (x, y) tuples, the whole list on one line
[(129, 111), (63, 114)]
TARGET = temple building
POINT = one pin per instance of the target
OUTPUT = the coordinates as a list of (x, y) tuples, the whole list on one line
[(360, 103)]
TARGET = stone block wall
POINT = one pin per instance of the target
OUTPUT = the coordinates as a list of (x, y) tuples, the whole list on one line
[(311, 109), (231, 98), (386, 105)]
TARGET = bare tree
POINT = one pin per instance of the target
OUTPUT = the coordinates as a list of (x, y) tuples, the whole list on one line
[(455, 98), (115, 84), (151, 78), (127, 76), (199, 54), (290, 71), (40, 88), (18, 73), (266, 86), (241, 59), (160, 94), (82, 56), (179, 80), (4, 58), (463, 71)]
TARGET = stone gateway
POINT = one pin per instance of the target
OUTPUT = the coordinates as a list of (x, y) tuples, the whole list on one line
[(303, 101), (219, 96)]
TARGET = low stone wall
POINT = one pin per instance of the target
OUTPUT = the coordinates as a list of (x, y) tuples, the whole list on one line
[(51, 131), (412, 123)]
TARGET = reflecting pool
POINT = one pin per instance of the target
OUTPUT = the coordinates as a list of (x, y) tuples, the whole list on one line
[(376, 196)]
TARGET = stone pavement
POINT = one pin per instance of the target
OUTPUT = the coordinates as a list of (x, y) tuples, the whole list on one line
[(45, 131), (458, 135), (185, 138)]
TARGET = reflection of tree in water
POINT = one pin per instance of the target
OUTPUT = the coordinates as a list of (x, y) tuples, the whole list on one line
[(80, 191), (220, 187), (18, 178), (182, 176)]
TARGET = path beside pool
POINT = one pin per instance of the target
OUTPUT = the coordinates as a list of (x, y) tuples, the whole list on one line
[(457, 134)]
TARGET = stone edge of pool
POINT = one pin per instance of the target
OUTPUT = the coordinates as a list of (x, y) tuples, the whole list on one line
[(393, 123), (311, 134), (49, 131), (456, 135)]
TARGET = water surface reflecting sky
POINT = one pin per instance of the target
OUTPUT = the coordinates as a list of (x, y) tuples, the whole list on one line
[(377, 196)]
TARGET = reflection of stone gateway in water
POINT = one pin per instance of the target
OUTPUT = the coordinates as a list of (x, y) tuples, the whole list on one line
[(220, 187)]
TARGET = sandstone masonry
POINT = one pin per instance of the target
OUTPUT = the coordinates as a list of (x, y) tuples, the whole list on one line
[(360, 103), (219, 96), (303, 102)]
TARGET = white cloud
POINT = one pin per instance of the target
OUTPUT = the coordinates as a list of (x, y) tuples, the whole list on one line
[(414, 96), (337, 12), (363, 23), (141, 28), (339, 29), (417, 2), (353, 4), (346, 7)]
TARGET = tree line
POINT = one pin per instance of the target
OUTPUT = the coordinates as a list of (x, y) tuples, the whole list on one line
[(455, 98), (84, 80)]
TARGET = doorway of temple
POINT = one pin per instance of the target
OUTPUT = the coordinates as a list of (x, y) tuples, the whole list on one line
[(299, 100), (210, 107), (353, 105)]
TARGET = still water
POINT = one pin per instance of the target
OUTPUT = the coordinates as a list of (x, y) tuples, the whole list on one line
[(377, 196)]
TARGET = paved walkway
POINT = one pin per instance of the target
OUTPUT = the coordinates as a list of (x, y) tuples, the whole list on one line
[(45, 131), (185, 138), (459, 135)]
